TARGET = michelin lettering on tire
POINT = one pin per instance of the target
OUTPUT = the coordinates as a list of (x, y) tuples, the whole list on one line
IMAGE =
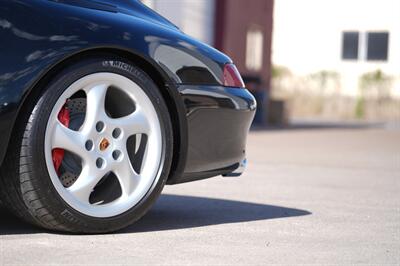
[(119, 65)]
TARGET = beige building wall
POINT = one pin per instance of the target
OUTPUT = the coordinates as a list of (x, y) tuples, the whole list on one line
[(194, 17), (307, 39)]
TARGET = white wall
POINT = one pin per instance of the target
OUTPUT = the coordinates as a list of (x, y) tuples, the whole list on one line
[(194, 17), (308, 37)]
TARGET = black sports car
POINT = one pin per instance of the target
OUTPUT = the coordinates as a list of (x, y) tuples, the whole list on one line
[(104, 102)]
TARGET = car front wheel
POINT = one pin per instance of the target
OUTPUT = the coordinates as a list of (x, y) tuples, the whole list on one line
[(93, 151)]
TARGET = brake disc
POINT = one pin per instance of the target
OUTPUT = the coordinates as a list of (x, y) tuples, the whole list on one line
[(71, 165)]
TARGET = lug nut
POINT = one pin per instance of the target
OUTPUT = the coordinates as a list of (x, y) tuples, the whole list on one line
[(116, 133), (116, 154), (89, 145), (99, 163), (99, 126)]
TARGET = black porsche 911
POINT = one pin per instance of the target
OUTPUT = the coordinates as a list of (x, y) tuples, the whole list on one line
[(104, 102)]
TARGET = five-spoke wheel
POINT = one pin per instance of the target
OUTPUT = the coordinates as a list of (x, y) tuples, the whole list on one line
[(94, 150), (101, 144)]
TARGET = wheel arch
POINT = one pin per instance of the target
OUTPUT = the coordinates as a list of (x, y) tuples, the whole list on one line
[(166, 86)]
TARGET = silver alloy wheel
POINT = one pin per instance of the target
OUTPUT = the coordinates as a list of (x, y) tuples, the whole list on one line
[(108, 152)]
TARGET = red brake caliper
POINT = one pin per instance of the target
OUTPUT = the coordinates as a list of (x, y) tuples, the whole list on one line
[(58, 154)]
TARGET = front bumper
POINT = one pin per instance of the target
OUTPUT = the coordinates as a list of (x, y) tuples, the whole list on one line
[(218, 120), (239, 170)]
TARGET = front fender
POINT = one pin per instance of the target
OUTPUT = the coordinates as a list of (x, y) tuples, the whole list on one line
[(37, 35)]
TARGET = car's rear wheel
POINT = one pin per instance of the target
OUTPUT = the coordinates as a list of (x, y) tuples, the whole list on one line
[(93, 152)]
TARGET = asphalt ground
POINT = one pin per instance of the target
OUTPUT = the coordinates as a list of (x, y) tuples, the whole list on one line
[(310, 195)]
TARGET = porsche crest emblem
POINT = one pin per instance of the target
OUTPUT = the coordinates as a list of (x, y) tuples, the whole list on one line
[(104, 144)]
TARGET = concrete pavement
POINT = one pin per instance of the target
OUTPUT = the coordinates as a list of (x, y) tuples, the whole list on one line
[(317, 196)]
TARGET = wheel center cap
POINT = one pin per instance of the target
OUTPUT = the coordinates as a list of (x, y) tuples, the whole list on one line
[(104, 144)]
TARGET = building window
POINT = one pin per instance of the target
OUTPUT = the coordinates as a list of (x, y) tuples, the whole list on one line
[(377, 46), (254, 49), (350, 45), (370, 46)]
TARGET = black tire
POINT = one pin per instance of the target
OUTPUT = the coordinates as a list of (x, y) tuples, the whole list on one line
[(26, 187)]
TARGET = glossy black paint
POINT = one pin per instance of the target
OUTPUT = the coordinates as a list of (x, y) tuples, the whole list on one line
[(218, 120), (38, 37)]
